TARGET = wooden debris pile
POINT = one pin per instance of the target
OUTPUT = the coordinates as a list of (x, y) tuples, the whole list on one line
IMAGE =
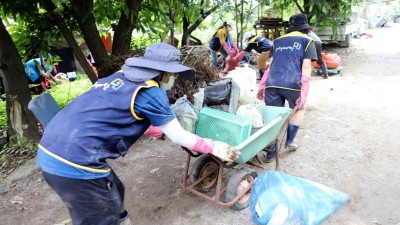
[(115, 63), (197, 57)]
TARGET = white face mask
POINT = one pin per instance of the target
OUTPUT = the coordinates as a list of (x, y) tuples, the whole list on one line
[(167, 86)]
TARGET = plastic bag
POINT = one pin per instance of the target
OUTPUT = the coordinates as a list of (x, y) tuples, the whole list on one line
[(250, 112), (217, 94), (332, 61), (278, 198), (245, 77), (198, 99), (222, 94), (185, 113)]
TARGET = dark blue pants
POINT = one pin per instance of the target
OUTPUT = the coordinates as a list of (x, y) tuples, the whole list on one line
[(90, 202), (277, 97)]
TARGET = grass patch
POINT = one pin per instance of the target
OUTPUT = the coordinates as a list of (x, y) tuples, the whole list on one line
[(3, 115), (15, 153), (65, 93), (62, 93), (19, 149)]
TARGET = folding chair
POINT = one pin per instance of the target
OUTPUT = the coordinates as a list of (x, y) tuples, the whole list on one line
[(44, 107)]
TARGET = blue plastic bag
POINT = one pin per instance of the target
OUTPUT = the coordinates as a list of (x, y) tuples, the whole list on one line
[(281, 199)]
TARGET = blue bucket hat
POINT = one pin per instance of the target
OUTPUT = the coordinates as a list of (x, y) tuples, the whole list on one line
[(157, 58)]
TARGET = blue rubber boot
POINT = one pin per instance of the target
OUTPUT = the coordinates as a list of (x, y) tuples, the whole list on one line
[(324, 71), (124, 218), (291, 134), (271, 154)]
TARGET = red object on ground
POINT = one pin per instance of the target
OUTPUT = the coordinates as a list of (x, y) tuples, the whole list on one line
[(368, 35), (107, 42), (233, 61), (332, 61)]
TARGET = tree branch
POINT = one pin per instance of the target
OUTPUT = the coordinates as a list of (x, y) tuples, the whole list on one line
[(126, 25), (82, 11), (59, 21), (299, 6), (194, 26), (198, 41), (199, 20)]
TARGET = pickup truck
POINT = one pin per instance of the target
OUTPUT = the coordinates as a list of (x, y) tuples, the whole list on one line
[(340, 34)]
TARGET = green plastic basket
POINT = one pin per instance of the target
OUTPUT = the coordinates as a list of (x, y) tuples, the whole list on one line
[(222, 126), (274, 119)]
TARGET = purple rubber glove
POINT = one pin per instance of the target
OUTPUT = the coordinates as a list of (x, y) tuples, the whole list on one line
[(305, 85)]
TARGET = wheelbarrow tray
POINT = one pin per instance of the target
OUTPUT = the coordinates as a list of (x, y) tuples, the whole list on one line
[(274, 118)]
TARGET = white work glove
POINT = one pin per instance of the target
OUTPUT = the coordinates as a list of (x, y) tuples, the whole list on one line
[(225, 152)]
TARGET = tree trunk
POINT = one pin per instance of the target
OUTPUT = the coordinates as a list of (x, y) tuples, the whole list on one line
[(187, 31), (307, 7), (298, 6), (185, 27), (240, 33), (236, 22), (83, 14), (172, 20), (126, 25), (20, 119), (50, 7)]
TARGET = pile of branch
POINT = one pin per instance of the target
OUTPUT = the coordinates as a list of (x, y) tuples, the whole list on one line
[(197, 57), (115, 63)]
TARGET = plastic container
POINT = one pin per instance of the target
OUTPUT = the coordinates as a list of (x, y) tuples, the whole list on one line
[(222, 126), (274, 118)]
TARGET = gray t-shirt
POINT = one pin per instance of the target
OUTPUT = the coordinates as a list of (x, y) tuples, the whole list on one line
[(314, 36)]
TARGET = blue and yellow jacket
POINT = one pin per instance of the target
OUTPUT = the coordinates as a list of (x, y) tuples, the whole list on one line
[(99, 127), (218, 40), (259, 44), (288, 53)]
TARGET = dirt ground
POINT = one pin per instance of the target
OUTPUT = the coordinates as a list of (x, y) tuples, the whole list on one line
[(350, 141)]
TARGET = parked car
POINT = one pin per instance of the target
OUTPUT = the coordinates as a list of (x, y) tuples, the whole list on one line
[(396, 18)]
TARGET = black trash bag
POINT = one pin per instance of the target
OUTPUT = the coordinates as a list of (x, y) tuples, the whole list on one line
[(217, 94), (222, 94)]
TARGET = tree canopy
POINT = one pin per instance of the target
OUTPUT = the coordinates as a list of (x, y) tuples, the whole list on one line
[(31, 27)]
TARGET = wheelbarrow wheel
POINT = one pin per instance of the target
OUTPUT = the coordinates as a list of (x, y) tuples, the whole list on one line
[(238, 182), (203, 165)]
